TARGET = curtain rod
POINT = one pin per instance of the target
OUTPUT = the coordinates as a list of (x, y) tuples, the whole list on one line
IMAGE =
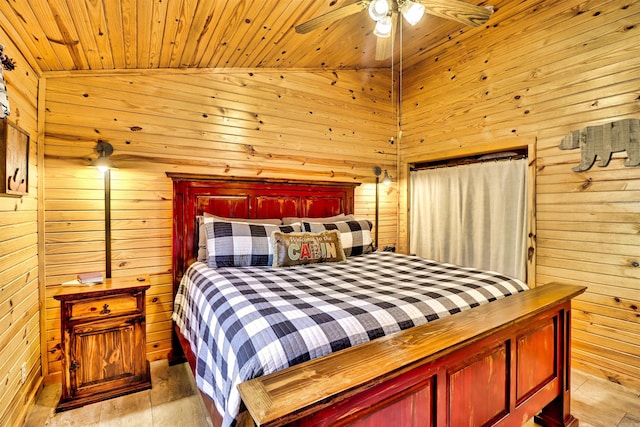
[(480, 158)]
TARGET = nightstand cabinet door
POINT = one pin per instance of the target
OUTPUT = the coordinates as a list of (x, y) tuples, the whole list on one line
[(104, 355), (103, 340)]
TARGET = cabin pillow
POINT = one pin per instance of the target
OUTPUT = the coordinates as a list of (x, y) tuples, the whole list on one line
[(291, 249), (241, 244), (339, 217), (202, 235), (355, 235)]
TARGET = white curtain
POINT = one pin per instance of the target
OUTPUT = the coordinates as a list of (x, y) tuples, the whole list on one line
[(472, 215)]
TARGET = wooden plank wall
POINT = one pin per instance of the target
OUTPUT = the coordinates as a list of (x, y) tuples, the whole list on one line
[(320, 125), (539, 70), (19, 291)]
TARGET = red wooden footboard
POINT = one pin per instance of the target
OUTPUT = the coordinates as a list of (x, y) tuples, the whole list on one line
[(498, 364)]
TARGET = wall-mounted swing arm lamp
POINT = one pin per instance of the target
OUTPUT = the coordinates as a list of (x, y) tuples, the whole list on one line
[(386, 180), (104, 150), (104, 164)]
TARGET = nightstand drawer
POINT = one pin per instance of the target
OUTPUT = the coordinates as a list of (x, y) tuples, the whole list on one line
[(102, 307)]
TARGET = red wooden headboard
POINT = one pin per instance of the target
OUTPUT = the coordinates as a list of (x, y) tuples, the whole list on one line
[(246, 198)]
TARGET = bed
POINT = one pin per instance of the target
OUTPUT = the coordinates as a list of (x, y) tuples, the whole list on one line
[(499, 363)]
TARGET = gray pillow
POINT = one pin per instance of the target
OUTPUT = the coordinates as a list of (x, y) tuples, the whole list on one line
[(290, 249)]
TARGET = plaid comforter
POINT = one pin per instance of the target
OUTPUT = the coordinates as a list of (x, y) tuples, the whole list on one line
[(250, 321)]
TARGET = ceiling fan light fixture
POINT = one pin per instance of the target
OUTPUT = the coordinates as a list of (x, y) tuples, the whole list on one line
[(378, 9), (412, 11), (383, 27)]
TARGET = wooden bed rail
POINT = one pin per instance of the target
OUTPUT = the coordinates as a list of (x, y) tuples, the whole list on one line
[(497, 364)]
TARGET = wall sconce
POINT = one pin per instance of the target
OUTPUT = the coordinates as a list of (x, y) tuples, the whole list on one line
[(386, 179), (104, 150), (104, 164)]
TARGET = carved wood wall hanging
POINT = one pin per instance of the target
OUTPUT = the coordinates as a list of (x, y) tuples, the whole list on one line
[(601, 141), (14, 159)]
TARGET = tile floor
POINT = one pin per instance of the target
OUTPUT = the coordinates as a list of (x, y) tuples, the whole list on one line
[(599, 403), (174, 402)]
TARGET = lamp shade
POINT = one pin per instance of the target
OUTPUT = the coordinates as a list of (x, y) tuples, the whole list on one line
[(412, 11), (378, 9), (383, 27), (386, 179), (103, 163)]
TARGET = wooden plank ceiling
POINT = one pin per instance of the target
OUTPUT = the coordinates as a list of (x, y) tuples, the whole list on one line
[(62, 35)]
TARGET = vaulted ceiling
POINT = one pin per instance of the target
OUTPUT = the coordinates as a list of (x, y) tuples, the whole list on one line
[(60, 35)]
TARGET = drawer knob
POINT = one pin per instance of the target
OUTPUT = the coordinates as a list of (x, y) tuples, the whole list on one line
[(105, 309)]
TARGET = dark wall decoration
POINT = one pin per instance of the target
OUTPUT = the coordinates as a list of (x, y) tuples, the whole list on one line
[(603, 140), (7, 64)]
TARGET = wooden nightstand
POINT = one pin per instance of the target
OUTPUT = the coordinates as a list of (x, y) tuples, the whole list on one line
[(103, 341)]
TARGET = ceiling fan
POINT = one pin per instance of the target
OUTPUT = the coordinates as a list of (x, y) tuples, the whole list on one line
[(385, 13)]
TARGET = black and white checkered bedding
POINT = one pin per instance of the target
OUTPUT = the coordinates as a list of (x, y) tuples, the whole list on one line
[(245, 322)]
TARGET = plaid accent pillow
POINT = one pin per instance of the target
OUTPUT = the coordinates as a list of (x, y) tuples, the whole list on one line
[(291, 249), (355, 235), (202, 234), (241, 244)]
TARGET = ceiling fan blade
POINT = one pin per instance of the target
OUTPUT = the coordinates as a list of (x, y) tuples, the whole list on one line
[(329, 17), (384, 45), (466, 13), (383, 48)]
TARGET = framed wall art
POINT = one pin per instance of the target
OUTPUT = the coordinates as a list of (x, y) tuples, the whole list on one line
[(14, 159)]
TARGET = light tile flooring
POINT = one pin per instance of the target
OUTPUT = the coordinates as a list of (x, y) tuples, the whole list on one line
[(599, 403), (174, 402)]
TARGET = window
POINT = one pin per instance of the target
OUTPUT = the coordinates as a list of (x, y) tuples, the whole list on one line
[(472, 214)]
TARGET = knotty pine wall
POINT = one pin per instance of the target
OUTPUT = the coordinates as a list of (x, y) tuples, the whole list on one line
[(19, 267), (543, 69), (318, 125)]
